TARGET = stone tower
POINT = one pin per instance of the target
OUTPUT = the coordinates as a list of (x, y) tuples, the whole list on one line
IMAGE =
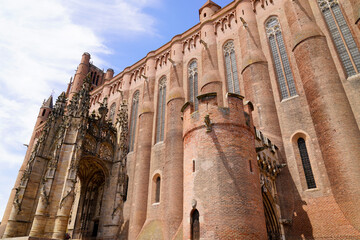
[(219, 152)]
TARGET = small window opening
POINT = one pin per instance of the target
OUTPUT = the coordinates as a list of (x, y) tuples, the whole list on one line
[(205, 34), (157, 191), (204, 14), (243, 12), (174, 52), (266, 3), (43, 113), (195, 225), (193, 165), (251, 170)]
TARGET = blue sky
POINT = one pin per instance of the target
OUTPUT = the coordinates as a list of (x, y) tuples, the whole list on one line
[(41, 44)]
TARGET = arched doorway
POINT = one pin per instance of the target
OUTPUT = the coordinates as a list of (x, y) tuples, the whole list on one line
[(92, 180)]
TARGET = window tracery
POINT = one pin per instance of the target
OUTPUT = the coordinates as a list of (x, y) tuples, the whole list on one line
[(160, 118), (281, 61), (193, 83), (341, 35), (231, 69)]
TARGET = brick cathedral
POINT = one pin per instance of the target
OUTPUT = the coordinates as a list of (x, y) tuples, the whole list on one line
[(246, 126)]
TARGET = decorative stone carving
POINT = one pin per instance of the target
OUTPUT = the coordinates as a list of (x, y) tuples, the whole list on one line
[(326, 4)]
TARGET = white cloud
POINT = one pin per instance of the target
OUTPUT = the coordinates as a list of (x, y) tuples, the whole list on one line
[(41, 43)]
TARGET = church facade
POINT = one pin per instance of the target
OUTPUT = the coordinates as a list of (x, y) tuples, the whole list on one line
[(246, 126)]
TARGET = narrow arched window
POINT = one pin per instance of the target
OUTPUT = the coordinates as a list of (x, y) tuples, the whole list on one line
[(157, 190), (341, 35), (112, 112), (231, 69), (133, 120), (282, 65), (43, 113), (309, 176), (193, 83), (195, 225), (160, 118)]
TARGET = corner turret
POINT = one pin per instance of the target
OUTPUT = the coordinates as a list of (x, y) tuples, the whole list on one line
[(45, 110), (81, 72), (109, 74), (207, 10)]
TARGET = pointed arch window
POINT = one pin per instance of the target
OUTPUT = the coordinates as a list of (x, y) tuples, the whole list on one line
[(133, 120), (232, 80), (341, 35), (309, 176), (195, 225), (282, 65), (160, 118), (193, 83), (112, 112)]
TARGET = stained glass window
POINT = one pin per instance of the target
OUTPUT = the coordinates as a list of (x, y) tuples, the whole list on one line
[(193, 83), (133, 120), (160, 118), (281, 61), (341, 35), (231, 69)]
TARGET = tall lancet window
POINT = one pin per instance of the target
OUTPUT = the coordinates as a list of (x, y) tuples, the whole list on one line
[(133, 120), (160, 118), (282, 65), (231, 69), (193, 83), (309, 176), (341, 35)]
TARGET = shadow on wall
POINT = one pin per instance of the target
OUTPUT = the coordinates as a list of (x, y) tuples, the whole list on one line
[(295, 219)]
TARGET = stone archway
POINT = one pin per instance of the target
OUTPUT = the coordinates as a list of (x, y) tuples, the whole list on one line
[(92, 175)]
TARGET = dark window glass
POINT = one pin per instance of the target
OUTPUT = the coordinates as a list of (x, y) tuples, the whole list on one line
[(157, 190), (306, 164)]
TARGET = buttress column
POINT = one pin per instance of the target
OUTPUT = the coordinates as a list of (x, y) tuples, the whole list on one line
[(143, 154), (334, 121), (210, 81), (173, 169), (255, 73)]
